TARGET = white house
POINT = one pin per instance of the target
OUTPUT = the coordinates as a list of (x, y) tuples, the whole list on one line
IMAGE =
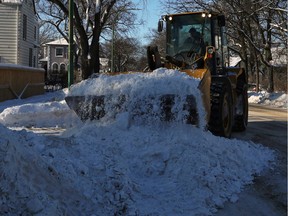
[(55, 61), (55, 55), (19, 33)]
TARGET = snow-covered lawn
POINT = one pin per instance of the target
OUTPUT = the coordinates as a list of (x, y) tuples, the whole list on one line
[(115, 167), (276, 99)]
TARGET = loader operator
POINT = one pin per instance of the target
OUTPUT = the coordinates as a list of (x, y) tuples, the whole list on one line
[(196, 48), (194, 41)]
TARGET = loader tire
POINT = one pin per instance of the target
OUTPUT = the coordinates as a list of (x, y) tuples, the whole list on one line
[(220, 123), (241, 108)]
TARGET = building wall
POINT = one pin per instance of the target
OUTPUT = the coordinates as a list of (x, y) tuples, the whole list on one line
[(13, 49), (31, 41), (8, 32), (59, 60)]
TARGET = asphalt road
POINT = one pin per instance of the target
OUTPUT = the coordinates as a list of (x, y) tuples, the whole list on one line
[(268, 194), (267, 126)]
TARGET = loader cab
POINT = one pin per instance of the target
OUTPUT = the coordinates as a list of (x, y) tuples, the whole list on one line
[(208, 28)]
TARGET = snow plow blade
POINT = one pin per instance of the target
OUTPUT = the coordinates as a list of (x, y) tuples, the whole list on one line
[(90, 107), (166, 107)]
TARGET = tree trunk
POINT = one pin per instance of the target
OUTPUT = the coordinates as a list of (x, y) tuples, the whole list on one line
[(90, 59), (270, 80), (268, 55), (85, 67), (257, 73), (95, 65)]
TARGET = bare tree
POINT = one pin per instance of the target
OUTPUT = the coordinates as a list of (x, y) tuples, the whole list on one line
[(47, 33), (254, 31), (92, 19), (158, 38), (125, 55)]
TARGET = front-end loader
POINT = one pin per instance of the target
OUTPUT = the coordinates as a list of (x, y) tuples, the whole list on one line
[(223, 86), (196, 45)]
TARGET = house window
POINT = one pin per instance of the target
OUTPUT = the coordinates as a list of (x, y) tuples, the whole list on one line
[(59, 52), (55, 67), (24, 27), (30, 57), (62, 68)]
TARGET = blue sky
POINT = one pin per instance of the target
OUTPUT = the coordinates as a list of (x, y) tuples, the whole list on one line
[(150, 13)]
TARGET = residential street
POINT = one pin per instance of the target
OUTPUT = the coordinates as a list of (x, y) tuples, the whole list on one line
[(268, 196)]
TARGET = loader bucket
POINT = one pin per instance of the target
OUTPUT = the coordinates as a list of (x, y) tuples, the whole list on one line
[(87, 107), (168, 107), (91, 107)]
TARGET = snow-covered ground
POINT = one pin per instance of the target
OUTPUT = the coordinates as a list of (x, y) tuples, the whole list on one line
[(276, 99), (118, 167)]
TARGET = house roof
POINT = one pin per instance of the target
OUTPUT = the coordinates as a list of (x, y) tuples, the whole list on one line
[(11, 1), (233, 61), (60, 41), (44, 59), (104, 61), (279, 56), (18, 2)]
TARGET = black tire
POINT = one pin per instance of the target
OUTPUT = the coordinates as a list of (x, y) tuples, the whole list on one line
[(221, 116), (241, 107)]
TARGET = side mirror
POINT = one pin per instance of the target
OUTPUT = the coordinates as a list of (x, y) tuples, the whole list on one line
[(221, 20), (160, 25)]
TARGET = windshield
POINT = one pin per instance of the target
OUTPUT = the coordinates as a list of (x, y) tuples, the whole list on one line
[(188, 32)]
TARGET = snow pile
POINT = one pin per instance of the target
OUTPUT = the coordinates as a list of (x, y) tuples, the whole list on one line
[(53, 111), (11, 116), (142, 93), (114, 170), (161, 81), (118, 168), (271, 99)]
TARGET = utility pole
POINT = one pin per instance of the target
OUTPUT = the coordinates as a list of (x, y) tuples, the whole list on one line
[(112, 51), (71, 50)]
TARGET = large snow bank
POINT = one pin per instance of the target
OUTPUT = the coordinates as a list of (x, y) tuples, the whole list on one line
[(117, 168), (107, 170)]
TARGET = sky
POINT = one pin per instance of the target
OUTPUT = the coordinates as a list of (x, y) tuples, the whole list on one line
[(150, 13), (51, 163)]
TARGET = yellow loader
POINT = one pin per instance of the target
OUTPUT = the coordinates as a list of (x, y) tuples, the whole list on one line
[(196, 45)]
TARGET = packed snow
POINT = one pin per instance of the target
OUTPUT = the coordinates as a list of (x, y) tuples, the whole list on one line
[(116, 167), (275, 99), (143, 92)]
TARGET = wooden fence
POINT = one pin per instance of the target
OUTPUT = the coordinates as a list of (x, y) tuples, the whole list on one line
[(20, 82)]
